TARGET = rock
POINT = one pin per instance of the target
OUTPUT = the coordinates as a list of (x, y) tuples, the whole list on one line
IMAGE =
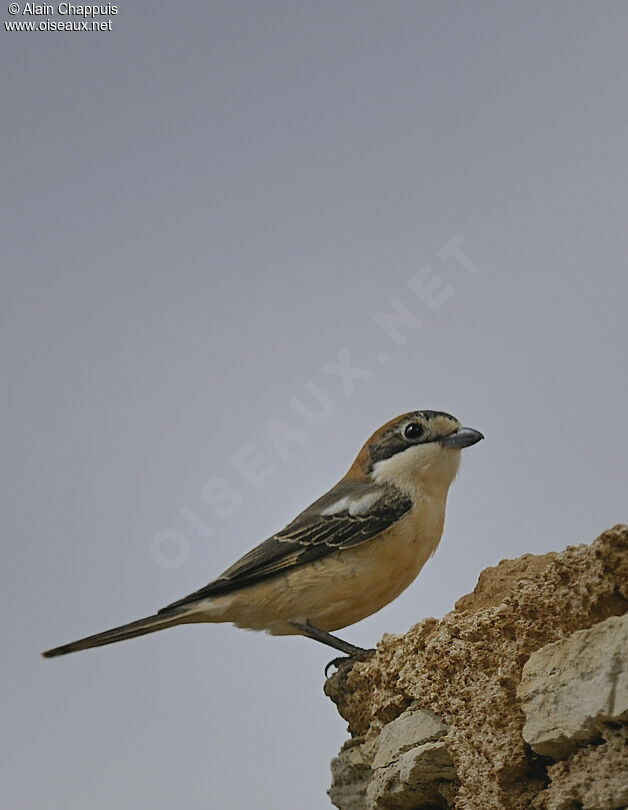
[(395, 768), (410, 761), (351, 774), (595, 778), (466, 669), (414, 779), (411, 728), (570, 689)]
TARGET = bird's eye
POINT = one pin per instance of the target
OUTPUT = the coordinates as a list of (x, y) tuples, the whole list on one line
[(413, 431)]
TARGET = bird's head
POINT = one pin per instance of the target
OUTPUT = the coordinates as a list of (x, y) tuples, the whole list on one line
[(417, 447)]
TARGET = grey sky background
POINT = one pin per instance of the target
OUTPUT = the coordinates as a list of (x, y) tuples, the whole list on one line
[(203, 208)]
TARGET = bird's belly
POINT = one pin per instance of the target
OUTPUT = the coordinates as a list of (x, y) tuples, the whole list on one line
[(337, 590)]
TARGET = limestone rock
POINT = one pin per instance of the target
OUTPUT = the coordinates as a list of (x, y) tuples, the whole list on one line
[(466, 669), (404, 764), (414, 779), (410, 763), (411, 728), (570, 689), (594, 778), (351, 774)]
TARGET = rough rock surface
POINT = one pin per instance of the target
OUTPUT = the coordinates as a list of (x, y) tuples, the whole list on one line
[(466, 669), (410, 762), (572, 688)]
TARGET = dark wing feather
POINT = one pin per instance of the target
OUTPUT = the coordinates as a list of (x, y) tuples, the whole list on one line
[(310, 536)]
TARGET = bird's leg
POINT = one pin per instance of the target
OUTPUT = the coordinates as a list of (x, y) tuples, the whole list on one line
[(357, 653), (332, 641)]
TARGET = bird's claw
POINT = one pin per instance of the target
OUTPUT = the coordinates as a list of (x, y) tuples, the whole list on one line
[(335, 662), (358, 655)]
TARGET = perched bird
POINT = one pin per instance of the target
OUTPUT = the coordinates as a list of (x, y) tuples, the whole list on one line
[(344, 557)]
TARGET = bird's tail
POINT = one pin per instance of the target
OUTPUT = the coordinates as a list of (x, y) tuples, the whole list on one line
[(139, 628)]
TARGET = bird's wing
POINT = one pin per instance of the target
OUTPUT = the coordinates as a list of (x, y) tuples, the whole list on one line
[(350, 513)]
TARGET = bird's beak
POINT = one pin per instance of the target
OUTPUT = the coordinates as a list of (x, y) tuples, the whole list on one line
[(463, 437)]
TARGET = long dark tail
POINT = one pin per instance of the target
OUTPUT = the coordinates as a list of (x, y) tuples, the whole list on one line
[(139, 628)]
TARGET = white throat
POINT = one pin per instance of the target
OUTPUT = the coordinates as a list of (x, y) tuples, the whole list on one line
[(425, 469)]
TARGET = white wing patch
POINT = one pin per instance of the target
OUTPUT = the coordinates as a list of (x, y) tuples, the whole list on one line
[(337, 507), (362, 505), (354, 506)]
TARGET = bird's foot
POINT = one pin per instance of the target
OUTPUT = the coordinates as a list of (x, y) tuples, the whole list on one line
[(360, 654)]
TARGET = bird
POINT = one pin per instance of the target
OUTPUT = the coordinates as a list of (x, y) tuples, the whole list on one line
[(343, 558)]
